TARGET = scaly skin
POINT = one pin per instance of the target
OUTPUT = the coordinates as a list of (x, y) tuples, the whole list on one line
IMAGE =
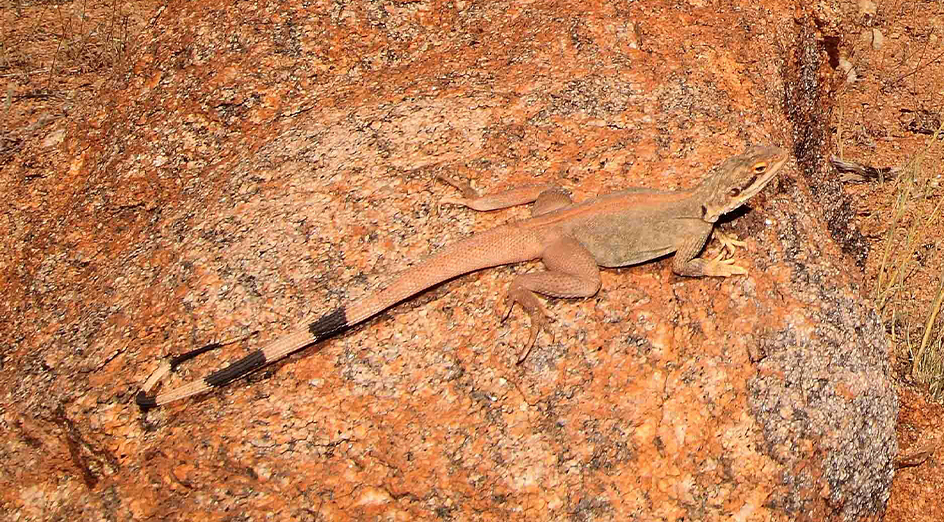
[(572, 239)]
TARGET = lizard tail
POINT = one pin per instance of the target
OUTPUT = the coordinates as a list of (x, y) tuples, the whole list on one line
[(499, 246)]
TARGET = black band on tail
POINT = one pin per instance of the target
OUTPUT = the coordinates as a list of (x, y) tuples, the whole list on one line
[(175, 361), (251, 362), (329, 324), (325, 327), (321, 329)]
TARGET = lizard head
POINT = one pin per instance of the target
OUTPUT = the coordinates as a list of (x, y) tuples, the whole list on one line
[(740, 178)]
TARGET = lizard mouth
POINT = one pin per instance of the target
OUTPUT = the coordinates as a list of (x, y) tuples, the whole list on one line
[(711, 213)]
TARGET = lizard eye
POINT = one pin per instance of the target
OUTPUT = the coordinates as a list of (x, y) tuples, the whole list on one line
[(734, 192), (760, 168)]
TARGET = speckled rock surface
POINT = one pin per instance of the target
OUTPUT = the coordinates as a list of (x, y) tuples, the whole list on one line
[(265, 161)]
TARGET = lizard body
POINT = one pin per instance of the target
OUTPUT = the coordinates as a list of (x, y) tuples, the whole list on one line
[(572, 239)]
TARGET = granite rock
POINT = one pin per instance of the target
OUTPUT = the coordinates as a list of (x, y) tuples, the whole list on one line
[(261, 163)]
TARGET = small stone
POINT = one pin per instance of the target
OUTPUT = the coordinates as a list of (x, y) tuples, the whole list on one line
[(54, 138), (874, 37), (846, 67), (867, 8)]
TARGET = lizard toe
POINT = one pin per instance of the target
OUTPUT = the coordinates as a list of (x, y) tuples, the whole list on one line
[(729, 242), (535, 310), (538, 320), (724, 268), (453, 201), (467, 191)]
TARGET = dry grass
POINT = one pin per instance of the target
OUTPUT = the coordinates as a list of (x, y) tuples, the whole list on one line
[(915, 215), (43, 42), (891, 115), (928, 365)]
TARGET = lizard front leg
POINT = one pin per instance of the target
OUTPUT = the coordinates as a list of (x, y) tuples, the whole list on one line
[(687, 263), (571, 272), (546, 197)]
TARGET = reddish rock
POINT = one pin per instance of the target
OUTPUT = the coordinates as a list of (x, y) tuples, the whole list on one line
[(263, 162)]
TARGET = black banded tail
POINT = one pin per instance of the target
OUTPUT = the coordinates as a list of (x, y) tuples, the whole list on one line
[(499, 246), (324, 328)]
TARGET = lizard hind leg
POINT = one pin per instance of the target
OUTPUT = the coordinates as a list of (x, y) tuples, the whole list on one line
[(572, 272), (507, 198)]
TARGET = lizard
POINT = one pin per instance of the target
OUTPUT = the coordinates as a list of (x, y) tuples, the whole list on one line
[(574, 240)]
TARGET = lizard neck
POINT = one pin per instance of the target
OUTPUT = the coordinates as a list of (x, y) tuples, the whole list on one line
[(700, 197)]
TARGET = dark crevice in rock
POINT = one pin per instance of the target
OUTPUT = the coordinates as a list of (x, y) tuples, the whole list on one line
[(808, 102)]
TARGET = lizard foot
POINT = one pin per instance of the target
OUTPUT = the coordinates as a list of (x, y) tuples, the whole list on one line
[(720, 267), (468, 193), (728, 242), (535, 311)]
